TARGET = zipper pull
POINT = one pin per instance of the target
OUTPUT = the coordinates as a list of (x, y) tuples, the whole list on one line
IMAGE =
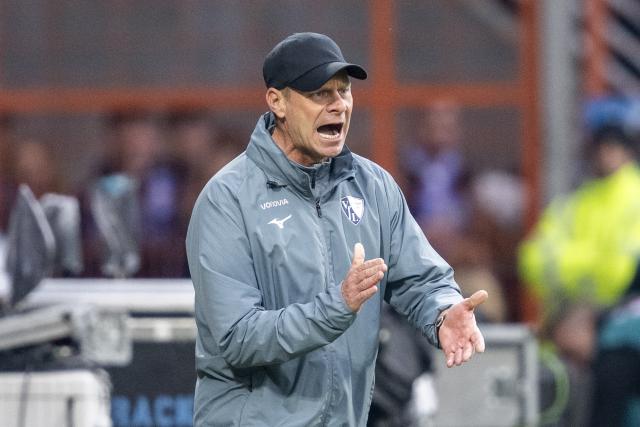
[(275, 184), (318, 209)]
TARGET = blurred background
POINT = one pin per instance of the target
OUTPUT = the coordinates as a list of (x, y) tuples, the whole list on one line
[(485, 112)]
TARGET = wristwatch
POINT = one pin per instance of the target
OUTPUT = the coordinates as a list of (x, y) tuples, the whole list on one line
[(440, 320)]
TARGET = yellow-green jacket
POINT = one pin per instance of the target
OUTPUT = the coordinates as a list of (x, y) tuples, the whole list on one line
[(586, 247)]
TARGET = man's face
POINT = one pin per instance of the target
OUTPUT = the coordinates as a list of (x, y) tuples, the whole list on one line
[(442, 126), (611, 156), (316, 123)]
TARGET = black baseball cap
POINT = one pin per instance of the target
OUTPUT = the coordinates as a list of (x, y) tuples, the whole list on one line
[(614, 133), (306, 61)]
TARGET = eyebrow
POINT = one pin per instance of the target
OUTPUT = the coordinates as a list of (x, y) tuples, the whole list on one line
[(342, 84)]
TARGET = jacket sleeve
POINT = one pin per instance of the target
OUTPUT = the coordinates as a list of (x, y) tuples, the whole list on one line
[(229, 301), (538, 256), (420, 283), (581, 248)]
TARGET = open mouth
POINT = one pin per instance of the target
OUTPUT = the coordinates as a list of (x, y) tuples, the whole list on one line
[(331, 131)]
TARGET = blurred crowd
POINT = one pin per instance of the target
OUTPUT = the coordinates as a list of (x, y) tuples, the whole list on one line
[(578, 264), (167, 157), (473, 218)]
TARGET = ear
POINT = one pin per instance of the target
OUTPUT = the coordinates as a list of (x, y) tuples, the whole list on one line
[(277, 102)]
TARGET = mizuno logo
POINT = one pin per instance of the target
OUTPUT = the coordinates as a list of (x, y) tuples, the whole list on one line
[(273, 204), (279, 222)]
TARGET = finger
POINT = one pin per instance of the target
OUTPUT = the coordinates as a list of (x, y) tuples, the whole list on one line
[(365, 295), (370, 281), (376, 262), (467, 352), (476, 299), (450, 359), (479, 341), (458, 357), (358, 254), (373, 270), (368, 293)]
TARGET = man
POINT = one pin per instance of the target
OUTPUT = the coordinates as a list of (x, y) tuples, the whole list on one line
[(581, 256), (436, 172), (616, 400), (287, 316), (135, 151), (585, 247)]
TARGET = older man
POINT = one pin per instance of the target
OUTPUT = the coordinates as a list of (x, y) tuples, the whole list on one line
[(287, 305)]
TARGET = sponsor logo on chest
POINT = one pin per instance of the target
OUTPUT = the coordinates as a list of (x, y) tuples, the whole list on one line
[(273, 204), (280, 222)]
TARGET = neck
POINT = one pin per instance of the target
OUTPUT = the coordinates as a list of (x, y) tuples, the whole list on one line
[(283, 139)]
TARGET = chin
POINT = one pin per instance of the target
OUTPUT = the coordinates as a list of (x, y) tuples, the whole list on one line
[(334, 151)]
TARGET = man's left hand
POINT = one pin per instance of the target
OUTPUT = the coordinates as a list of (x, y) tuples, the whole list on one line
[(459, 335)]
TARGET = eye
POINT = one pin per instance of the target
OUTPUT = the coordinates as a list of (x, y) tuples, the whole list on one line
[(321, 94)]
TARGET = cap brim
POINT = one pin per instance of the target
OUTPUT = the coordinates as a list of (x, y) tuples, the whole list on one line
[(315, 78)]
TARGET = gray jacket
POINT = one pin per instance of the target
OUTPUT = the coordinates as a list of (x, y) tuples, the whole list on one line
[(268, 245)]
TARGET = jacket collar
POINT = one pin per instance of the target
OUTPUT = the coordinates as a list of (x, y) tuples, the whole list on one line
[(280, 171)]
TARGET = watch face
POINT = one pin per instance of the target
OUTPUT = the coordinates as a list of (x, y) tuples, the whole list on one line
[(440, 320)]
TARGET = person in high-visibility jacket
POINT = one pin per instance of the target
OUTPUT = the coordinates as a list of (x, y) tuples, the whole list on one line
[(580, 259), (585, 248)]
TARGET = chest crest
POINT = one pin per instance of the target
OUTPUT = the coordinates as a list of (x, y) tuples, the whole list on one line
[(353, 208)]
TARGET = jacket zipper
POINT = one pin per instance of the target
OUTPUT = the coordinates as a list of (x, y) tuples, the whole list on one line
[(329, 353)]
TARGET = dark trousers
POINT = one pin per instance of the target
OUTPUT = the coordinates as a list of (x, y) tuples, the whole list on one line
[(617, 381)]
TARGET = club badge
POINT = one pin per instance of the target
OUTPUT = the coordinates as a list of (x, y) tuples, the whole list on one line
[(353, 208)]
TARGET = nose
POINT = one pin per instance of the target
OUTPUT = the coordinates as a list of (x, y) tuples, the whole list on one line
[(338, 104)]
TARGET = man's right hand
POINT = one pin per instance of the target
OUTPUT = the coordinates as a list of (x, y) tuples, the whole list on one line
[(362, 278)]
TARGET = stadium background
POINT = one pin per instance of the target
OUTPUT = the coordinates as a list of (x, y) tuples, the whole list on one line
[(520, 71)]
